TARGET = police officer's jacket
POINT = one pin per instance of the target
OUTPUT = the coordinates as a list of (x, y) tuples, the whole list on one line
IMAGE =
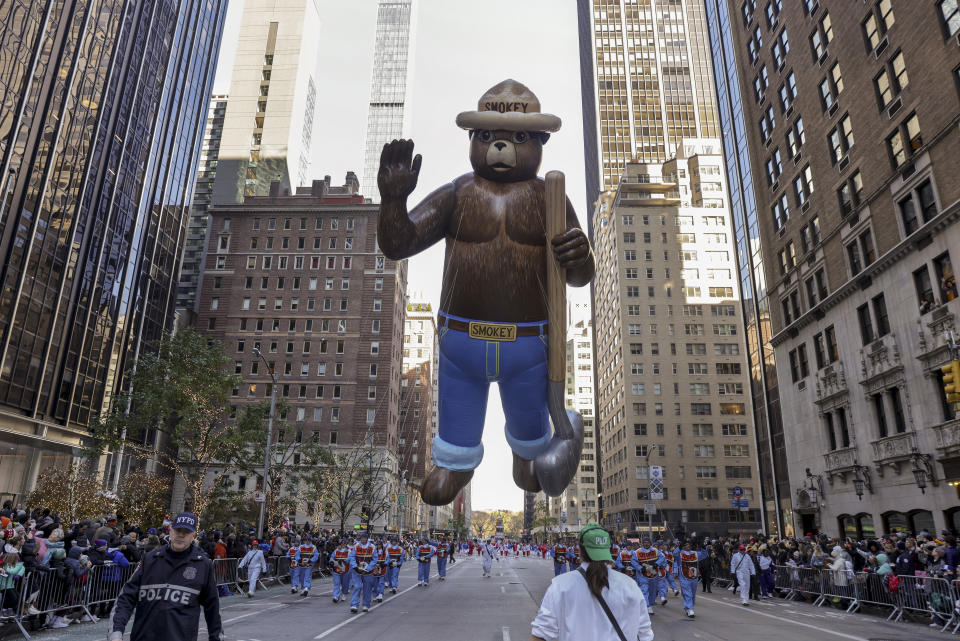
[(168, 590)]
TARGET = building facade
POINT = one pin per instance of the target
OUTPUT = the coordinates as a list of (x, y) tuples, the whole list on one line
[(97, 163), (301, 279), (388, 111), (194, 247), (648, 65), (269, 123), (671, 379), (864, 105), (578, 503), (764, 390)]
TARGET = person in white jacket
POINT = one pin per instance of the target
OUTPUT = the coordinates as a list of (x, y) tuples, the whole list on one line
[(255, 563), (742, 565), (571, 609)]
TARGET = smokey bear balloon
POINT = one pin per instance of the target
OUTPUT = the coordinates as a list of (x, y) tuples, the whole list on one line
[(492, 319)]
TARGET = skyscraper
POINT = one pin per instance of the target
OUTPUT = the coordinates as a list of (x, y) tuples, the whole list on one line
[(671, 379), (647, 83), (849, 128), (195, 244), (269, 122), (97, 165), (765, 394), (392, 72)]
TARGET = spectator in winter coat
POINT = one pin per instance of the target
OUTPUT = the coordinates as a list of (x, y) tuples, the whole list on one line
[(906, 563), (883, 565), (98, 553), (28, 553), (76, 567), (220, 550)]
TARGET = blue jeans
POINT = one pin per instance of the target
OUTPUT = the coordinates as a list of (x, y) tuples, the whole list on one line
[(423, 572), (467, 367)]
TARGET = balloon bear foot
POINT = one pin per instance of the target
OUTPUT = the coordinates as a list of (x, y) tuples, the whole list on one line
[(557, 466), (442, 485), (525, 474)]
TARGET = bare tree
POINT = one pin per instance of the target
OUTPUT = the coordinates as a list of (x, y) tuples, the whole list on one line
[(361, 482), (481, 522)]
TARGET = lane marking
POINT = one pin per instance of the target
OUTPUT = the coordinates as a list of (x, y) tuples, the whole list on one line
[(250, 614), (503, 589), (780, 619), (506, 633), (358, 615)]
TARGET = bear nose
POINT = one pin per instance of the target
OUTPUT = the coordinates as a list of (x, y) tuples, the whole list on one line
[(499, 145)]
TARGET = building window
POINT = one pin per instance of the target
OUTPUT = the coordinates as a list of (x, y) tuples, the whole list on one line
[(860, 252), (840, 139), (833, 352), (951, 16), (904, 142), (866, 325), (774, 167), (767, 123), (780, 211), (921, 281), (780, 49), (850, 193), (796, 137), (803, 186), (788, 91), (946, 278), (896, 402), (876, 24)]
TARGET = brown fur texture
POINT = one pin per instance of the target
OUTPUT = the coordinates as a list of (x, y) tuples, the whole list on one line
[(493, 223)]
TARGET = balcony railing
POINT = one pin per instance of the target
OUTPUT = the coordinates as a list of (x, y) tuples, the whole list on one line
[(893, 451)]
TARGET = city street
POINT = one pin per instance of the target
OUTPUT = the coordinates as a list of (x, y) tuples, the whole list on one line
[(469, 608)]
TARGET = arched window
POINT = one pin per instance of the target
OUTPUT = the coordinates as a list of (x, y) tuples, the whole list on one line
[(921, 520), (895, 522), (952, 517), (848, 525), (865, 527)]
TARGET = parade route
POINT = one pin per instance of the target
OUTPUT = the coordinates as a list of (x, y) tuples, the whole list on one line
[(468, 607)]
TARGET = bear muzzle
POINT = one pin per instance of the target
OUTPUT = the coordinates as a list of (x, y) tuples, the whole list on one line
[(501, 156)]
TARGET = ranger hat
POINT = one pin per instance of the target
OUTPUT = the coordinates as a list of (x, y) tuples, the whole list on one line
[(510, 106), (596, 541)]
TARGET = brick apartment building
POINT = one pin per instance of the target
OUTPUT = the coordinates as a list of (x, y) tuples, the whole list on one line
[(301, 278), (851, 196)]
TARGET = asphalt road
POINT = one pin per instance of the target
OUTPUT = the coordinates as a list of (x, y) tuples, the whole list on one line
[(467, 607)]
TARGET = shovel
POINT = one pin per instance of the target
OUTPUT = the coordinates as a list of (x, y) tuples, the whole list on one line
[(557, 465)]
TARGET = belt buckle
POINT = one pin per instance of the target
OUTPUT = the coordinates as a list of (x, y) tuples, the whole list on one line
[(501, 332)]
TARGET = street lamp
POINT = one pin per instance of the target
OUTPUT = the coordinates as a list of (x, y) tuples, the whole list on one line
[(860, 481), (649, 490), (922, 469), (814, 487), (266, 457)]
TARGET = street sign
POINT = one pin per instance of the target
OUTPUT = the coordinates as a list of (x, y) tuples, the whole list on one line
[(648, 509), (259, 497), (619, 519), (735, 502), (578, 522), (738, 491), (744, 505), (563, 516), (402, 496)]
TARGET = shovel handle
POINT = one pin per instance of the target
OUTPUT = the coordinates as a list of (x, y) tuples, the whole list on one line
[(556, 223)]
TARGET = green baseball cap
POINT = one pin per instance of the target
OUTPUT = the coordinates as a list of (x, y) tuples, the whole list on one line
[(596, 541)]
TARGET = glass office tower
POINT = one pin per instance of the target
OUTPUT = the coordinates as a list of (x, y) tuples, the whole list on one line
[(388, 89), (101, 115)]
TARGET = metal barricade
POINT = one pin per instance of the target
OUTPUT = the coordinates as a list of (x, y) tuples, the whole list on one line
[(926, 596), (786, 580), (839, 587), (955, 616), (873, 589), (225, 572), (281, 568), (46, 592), (104, 583), (722, 577), (809, 584)]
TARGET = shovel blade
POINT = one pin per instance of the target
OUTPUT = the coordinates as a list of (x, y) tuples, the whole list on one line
[(557, 465)]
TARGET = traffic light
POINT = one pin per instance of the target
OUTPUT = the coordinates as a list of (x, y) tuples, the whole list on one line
[(951, 381)]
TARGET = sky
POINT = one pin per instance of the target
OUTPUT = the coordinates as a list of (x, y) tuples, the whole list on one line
[(461, 48)]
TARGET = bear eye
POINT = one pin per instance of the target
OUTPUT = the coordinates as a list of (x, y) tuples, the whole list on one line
[(520, 137), (485, 136)]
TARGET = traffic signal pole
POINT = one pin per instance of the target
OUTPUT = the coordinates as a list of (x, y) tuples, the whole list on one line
[(951, 374)]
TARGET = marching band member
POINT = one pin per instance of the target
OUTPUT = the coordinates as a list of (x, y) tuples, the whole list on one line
[(380, 572), (623, 561), (442, 549), (645, 561), (425, 552), (396, 557), (573, 556), (363, 558), (689, 575), (307, 554), (342, 574), (666, 573), (489, 553), (559, 554), (294, 567)]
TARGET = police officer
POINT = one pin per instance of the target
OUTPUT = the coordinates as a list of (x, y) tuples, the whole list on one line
[(168, 589)]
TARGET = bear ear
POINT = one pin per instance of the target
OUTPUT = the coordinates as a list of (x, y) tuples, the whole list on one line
[(544, 137)]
